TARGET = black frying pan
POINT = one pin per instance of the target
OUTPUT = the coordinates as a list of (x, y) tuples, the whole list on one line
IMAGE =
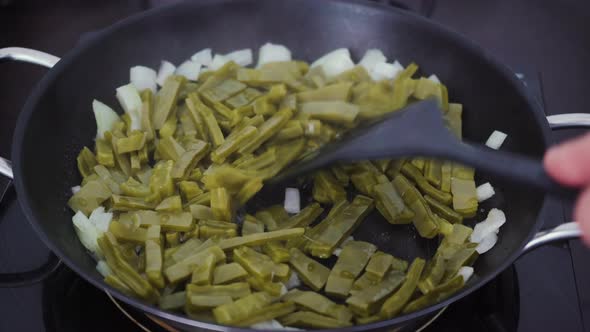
[(57, 121)]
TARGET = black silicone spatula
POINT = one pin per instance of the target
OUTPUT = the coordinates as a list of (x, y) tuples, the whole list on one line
[(419, 130)]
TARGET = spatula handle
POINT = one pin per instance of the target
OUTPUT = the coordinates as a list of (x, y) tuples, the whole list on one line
[(512, 167)]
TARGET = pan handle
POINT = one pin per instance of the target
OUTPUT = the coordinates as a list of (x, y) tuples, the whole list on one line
[(19, 279), (21, 54), (6, 168), (563, 232), (569, 121), (569, 230)]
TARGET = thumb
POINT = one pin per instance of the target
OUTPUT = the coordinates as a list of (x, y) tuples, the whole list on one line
[(582, 215), (569, 162)]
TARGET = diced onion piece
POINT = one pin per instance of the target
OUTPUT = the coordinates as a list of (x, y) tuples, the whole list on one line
[(292, 200), (218, 61), (371, 58), (484, 191), (87, 232), (103, 268), (348, 239), (273, 53), (310, 128), (90, 229), (143, 78), (335, 62), (337, 252), (189, 69), (283, 290), (434, 78), (105, 118), (203, 57), (131, 102), (293, 281), (496, 139), (496, 218), (487, 243), (385, 71), (241, 57), (166, 69), (75, 189), (101, 219), (466, 272)]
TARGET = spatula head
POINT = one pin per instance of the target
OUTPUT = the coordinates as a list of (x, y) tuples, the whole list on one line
[(416, 130)]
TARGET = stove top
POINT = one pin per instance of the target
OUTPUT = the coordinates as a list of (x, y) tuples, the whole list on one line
[(542, 291)]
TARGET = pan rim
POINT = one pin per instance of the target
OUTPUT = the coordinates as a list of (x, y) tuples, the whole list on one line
[(53, 74)]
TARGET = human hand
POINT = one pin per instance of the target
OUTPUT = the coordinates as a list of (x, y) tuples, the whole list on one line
[(569, 164)]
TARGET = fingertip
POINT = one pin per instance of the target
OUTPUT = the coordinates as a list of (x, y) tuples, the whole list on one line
[(582, 215), (558, 166), (585, 235), (552, 160), (569, 162), (552, 156)]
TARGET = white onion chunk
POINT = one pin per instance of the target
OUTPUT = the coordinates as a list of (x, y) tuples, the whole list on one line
[(143, 78), (496, 139), (292, 200), (166, 69), (203, 57), (491, 225), (273, 53), (484, 192)]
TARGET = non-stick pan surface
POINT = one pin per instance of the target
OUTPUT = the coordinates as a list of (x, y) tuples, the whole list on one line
[(57, 120)]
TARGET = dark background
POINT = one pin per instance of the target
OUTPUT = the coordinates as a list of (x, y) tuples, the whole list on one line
[(547, 36)]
